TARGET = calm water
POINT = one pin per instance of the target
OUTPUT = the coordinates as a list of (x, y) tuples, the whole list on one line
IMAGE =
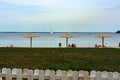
[(83, 39)]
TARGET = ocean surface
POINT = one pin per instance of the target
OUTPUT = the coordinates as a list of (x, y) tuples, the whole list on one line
[(46, 39)]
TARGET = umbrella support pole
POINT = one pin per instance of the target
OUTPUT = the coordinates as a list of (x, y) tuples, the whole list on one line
[(103, 42), (31, 42), (66, 42)]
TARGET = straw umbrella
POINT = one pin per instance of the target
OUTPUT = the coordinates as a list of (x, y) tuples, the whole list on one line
[(67, 36), (30, 36), (102, 36)]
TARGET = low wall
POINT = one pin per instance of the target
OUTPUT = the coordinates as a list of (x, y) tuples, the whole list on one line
[(27, 74)]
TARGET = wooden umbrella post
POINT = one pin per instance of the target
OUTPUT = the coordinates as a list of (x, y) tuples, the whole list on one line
[(66, 41), (30, 36), (66, 36), (30, 42), (102, 36), (102, 42)]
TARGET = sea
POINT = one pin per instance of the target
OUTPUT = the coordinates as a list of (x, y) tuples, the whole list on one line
[(48, 39)]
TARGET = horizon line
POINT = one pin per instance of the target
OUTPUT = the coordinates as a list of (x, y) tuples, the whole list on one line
[(45, 31)]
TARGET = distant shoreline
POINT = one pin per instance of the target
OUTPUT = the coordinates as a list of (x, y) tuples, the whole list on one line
[(56, 32)]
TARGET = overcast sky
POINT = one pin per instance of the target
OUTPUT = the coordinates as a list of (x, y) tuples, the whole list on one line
[(60, 15)]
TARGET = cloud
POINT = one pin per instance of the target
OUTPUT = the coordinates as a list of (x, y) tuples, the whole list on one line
[(66, 6), (52, 18), (101, 17), (71, 11)]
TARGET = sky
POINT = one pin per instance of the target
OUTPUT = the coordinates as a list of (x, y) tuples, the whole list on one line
[(60, 15)]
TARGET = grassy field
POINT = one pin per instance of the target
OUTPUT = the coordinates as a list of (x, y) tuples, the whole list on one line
[(107, 59)]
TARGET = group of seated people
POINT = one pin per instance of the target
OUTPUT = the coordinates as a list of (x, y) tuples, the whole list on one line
[(10, 46), (72, 45), (99, 46)]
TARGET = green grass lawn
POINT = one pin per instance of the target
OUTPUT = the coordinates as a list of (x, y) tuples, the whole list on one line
[(107, 59)]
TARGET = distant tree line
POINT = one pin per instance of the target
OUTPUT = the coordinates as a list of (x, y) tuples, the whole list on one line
[(118, 31)]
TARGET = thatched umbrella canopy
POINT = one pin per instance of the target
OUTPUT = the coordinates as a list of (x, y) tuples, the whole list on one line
[(67, 36), (102, 36), (30, 36)]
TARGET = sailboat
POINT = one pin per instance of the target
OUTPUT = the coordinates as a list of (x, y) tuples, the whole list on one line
[(51, 32)]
